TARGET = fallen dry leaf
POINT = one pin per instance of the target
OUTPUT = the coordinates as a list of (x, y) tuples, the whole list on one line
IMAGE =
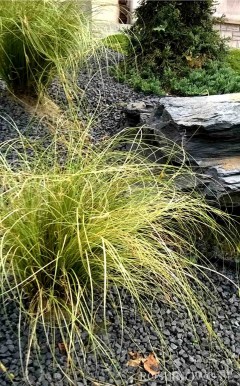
[(151, 365), (136, 359), (62, 348)]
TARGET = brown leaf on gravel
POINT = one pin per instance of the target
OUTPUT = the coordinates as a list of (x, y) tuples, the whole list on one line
[(136, 359), (151, 365), (62, 348)]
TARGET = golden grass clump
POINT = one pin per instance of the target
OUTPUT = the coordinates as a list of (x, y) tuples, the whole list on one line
[(41, 39), (106, 219)]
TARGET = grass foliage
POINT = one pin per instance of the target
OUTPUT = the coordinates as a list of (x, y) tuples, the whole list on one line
[(108, 219), (77, 220), (119, 42), (40, 39), (233, 59)]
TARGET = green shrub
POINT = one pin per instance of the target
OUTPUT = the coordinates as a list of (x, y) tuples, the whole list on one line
[(233, 58), (119, 42), (213, 78), (174, 35), (175, 50), (146, 81), (107, 219), (40, 39)]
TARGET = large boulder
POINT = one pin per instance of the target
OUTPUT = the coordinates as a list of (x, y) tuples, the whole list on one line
[(208, 129)]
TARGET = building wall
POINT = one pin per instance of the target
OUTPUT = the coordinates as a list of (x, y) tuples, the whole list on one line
[(106, 14), (106, 11), (230, 31), (230, 9), (134, 4)]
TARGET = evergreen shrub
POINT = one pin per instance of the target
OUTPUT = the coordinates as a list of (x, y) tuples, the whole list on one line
[(176, 50)]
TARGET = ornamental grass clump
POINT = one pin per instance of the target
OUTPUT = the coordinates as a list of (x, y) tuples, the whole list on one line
[(107, 219), (39, 40)]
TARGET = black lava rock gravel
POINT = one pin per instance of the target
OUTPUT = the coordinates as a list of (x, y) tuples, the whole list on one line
[(188, 356), (102, 100)]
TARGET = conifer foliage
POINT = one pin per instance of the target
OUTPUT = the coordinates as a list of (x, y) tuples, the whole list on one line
[(173, 48), (175, 34)]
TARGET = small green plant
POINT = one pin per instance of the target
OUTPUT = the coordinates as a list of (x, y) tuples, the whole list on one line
[(39, 40), (145, 81), (106, 219), (214, 78), (233, 58), (118, 42)]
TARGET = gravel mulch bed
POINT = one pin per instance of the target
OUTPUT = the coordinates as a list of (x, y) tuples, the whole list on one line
[(190, 358)]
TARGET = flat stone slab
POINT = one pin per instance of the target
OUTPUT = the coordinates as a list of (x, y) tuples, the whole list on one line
[(207, 128), (213, 114)]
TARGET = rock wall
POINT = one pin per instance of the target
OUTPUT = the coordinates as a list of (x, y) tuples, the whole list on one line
[(230, 30)]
